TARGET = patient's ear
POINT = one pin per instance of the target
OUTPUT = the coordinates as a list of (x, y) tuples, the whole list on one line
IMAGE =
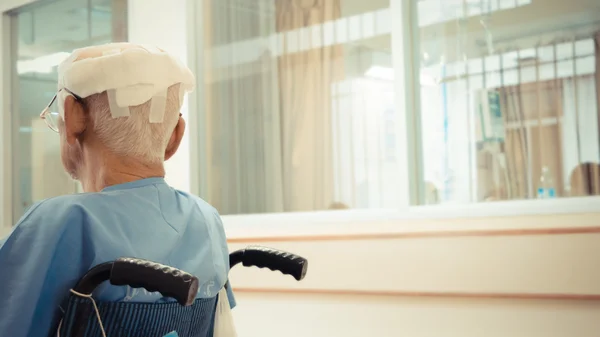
[(175, 139), (75, 120)]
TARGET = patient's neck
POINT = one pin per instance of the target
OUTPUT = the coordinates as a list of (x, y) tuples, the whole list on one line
[(107, 169)]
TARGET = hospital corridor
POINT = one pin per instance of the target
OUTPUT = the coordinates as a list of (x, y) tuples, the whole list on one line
[(300, 168)]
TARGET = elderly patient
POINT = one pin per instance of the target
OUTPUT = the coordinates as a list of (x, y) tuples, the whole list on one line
[(118, 120)]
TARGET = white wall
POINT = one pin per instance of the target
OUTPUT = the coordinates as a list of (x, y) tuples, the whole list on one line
[(511, 276), (162, 23), (360, 316)]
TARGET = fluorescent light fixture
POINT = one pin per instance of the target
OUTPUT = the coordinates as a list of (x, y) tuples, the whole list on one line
[(42, 65), (387, 74)]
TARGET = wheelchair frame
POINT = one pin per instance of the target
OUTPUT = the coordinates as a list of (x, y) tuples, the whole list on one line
[(175, 283)]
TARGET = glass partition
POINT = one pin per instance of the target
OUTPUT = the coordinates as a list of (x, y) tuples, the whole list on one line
[(509, 93), (298, 106), (44, 33)]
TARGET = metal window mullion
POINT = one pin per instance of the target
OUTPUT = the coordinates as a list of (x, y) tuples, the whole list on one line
[(196, 108), (13, 123), (7, 54), (405, 58)]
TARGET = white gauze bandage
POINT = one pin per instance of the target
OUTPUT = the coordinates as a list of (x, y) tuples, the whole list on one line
[(131, 75)]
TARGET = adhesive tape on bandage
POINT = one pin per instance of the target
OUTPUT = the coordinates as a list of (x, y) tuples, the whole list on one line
[(158, 105), (115, 110)]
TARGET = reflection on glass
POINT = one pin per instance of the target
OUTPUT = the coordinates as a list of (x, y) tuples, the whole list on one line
[(41, 45), (299, 112), (509, 99)]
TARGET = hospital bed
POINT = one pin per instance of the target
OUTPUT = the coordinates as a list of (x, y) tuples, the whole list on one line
[(188, 316)]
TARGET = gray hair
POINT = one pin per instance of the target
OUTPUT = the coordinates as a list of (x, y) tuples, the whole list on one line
[(135, 136)]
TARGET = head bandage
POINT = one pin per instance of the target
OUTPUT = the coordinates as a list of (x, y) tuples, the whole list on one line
[(131, 75)]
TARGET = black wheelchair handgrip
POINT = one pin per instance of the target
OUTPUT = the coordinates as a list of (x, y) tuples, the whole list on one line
[(155, 277), (286, 263)]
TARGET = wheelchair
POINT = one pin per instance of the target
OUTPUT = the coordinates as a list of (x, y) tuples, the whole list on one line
[(188, 316)]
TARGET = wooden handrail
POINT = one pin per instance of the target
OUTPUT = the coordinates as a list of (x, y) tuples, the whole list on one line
[(423, 294), (418, 235)]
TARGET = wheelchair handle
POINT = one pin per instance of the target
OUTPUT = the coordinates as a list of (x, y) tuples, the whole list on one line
[(152, 276), (276, 260), (138, 273), (177, 284)]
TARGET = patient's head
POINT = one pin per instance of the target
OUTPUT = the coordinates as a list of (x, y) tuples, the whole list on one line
[(89, 126), (100, 147)]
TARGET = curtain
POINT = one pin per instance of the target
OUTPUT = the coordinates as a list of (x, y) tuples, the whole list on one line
[(242, 108), (516, 147), (580, 123), (268, 109), (305, 82), (364, 144)]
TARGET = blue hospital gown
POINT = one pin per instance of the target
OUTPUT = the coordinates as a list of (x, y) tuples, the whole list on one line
[(59, 239)]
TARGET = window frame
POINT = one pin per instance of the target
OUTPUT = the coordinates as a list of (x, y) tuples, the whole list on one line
[(405, 36), (569, 205), (7, 74), (9, 88), (196, 126), (197, 115)]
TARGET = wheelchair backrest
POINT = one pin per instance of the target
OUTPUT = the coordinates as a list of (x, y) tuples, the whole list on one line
[(127, 319)]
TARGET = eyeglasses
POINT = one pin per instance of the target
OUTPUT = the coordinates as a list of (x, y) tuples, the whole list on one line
[(49, 114)]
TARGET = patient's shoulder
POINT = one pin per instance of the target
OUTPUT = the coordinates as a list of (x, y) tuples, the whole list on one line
[(200, 203), (50, 222), (54, 213)]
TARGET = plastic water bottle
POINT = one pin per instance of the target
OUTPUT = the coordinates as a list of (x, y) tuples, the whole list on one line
[(546, 189)]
